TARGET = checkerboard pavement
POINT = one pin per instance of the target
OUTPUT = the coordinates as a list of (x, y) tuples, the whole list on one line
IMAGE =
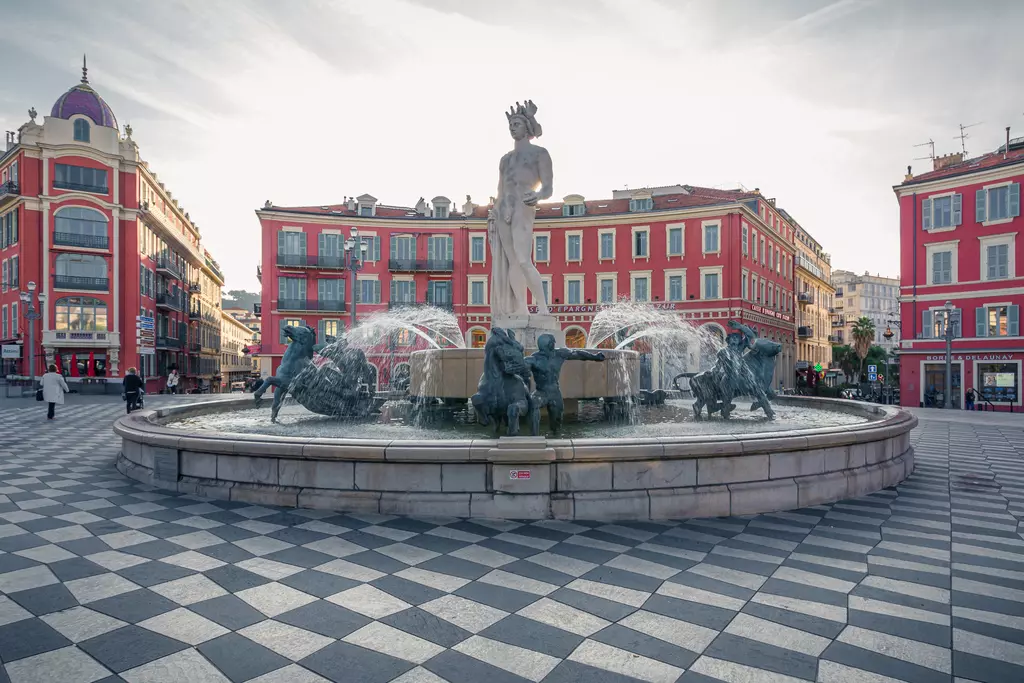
[(103, 579)]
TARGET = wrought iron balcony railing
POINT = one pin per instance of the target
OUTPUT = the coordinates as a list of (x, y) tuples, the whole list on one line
[(92, 284), (323, 305), (411, 264), (73, 239)]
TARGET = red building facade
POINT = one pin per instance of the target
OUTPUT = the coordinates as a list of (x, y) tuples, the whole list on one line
[(959, 225), (109, 250), (709, 255)]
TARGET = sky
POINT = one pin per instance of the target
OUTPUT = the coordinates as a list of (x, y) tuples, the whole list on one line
[(818, 103)]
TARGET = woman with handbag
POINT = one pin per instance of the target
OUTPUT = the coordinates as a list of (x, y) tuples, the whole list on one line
[(53, 389)]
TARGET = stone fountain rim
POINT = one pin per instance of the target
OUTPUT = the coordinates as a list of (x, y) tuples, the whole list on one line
[(151, 427)]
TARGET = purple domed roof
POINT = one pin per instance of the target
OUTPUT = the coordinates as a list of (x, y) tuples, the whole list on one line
[(82, 99)]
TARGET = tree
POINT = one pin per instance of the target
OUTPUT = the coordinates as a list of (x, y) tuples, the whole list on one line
[(846, 358), (863, 334)]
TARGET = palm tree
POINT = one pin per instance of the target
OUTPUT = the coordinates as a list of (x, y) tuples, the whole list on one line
[(863, 334), (847, 360)]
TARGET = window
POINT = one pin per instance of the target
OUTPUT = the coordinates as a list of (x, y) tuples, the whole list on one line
[(997, 203), (942, 267), (754, 240), (573, 291), (997, 261), (675, 240), (80, 266), (77, 313), (329, 250), (540, 248), (476, 249), (636, 205), (365, 210), (14, 319), (80, 227), (745, 292), (291, 247), (403, 291), (607, 245), (439, 293), (327, 328), (573, 209), (760, 294), (546, 286), (439, 248), (778, 260), (762, 252), (607, 286), (573, 247), (403, 247), (1001, 320), (675, 287), (942, 212), (9, 229), (329, 290), (711, 285), (440, 212), (291, 289), (371, 248), (476, 293), (746, 239), (4, 276), (640, 238), (479, 339), (575, 338), (641, 289), (81, 131), (771, 254), (711, 238), (3, 322), (68, 177), (368, 292), (934, 323)]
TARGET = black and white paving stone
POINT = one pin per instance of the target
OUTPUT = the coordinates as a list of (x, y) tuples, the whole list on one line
[(103, 579)]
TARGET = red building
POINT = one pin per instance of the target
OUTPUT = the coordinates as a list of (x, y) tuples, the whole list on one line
[(84, 218), (710, 255), (959, 225)]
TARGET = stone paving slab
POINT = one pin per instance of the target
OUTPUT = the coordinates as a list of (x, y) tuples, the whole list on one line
[(103, 579)]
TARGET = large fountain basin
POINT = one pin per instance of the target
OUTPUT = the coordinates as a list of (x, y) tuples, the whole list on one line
[(455, 373), (666, 477)]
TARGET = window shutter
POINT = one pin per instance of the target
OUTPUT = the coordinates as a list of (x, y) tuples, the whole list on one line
[(926, 214), (376, 291), (280, 242), (980, 210), (981, 321), (449, 248), (302, 243), (1015, 199), (926, 324), (431, 248), (393, 288), (958, 200), (394, 249)]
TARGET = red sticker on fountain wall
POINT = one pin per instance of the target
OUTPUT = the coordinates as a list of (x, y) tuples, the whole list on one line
[(519, 474)]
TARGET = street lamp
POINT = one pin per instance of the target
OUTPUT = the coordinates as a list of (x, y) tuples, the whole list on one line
[(948, 334), (355, 254), (32, 314)]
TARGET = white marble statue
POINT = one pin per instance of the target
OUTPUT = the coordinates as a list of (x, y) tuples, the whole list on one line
[(524, 178)]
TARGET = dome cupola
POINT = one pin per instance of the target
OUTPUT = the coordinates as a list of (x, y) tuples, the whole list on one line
[(82, 99)]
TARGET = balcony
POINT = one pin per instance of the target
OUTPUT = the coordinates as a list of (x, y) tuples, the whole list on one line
[(168, 267), (835, 339), (168, 301), (805, 331), (444, 304), (195, 288), (169, 343), (195, 347), (98, 339), (73, 239), (9, 191), (838, 323), (321, 305), (91, 284), (194, 314), (214, 268), (805, 298), (332, 262), (421, 265), (80, 187)]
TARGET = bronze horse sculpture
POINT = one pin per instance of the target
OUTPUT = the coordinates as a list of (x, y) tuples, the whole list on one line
[(503, 393), (297, 358)]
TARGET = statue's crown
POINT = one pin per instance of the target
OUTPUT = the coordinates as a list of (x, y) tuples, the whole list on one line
[(528, 110)]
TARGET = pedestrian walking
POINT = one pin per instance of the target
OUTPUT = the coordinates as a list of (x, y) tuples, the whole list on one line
[(54, 387), (172, 382), (133, 389)]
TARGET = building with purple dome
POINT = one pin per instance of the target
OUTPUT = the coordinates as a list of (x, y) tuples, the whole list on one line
[(118, 263)]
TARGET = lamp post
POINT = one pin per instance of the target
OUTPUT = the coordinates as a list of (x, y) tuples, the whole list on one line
[(32, 314), (355, 254), (948, 334), (888, 334)]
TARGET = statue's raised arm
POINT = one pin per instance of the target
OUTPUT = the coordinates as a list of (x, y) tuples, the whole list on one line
[(579, 354)]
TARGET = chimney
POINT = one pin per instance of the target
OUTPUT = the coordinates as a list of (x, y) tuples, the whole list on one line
[(909, 176), (939, 163), (1006, 150)]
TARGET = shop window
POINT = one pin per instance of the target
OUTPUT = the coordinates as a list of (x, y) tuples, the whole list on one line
[(478, 339), (999, 382)]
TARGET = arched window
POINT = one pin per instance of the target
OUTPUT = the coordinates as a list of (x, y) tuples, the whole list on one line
[(83, 313), (478, 339), (78, 226), (575, 338), (81, 130)]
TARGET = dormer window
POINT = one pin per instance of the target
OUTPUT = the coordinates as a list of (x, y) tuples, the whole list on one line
[(81, 130), (440, 212), (573, 205), (638, 204), (442, 206), (367, 205), (365, 210)]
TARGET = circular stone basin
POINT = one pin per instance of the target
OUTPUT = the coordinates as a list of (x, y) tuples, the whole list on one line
[(664, 470), (455, 373)]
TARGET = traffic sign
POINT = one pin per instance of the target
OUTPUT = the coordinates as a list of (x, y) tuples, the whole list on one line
[(872, 368), (872, 376), (881, 378)]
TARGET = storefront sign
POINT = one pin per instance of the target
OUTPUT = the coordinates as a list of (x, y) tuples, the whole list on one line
[(11, 351), (594, 308), (991, 356), (770, 313)]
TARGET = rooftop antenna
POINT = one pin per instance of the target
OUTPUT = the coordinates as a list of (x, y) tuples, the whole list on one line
[(931, 153), (963, 136)]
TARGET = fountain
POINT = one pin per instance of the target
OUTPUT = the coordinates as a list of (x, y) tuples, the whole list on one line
[(428, 446)]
